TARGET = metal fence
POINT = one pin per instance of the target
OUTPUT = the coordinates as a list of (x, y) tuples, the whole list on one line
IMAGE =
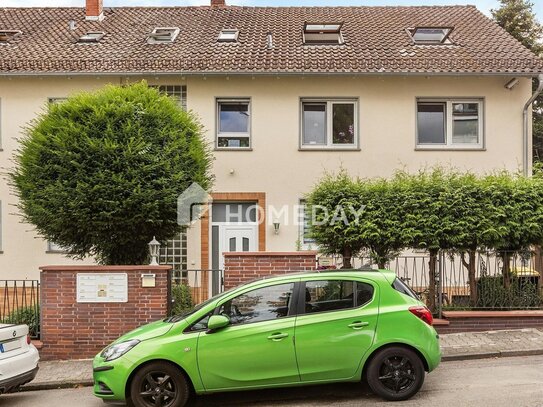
[(191, 287), (20, 304), (476, 280)]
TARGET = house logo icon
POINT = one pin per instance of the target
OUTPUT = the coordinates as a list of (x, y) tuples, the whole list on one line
[(192, 204)]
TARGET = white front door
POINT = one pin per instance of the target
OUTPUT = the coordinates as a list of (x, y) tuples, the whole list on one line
[(236, 238)]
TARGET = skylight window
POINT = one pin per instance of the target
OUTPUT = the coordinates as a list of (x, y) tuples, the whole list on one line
[(6, 35), (163, 35), (430, 35), (228, 35), (323, 33), (91, 37)]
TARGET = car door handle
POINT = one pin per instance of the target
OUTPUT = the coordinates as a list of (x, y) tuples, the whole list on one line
[(358, 325), (278, 336)]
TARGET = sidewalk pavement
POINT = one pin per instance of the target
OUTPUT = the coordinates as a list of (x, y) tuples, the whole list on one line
[(459, 346)]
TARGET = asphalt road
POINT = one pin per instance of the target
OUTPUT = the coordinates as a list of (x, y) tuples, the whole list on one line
[(503, 382)]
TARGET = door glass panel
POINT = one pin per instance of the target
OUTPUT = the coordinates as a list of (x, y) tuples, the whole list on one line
[(328, 295), (245, 244), (364, 293), (343, 123), (314, 123), (259, 305), (232, 243), (431, 123), (234, 212)]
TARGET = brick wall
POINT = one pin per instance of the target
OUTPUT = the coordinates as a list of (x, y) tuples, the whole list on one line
[(72, 330), (240, 267), (478, 321)]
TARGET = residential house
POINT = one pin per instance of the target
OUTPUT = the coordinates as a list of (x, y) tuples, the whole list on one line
[(284, 94)]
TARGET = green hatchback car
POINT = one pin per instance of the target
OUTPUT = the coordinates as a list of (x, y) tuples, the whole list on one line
[(292, 330)]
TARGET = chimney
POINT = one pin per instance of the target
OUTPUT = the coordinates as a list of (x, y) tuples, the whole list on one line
[(218, 3), (94, 10)]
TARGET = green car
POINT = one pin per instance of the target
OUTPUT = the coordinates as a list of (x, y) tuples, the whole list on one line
[(292, 330)]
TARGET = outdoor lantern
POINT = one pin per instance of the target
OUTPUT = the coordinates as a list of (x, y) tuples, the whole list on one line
[(276, 226), (154, 246)]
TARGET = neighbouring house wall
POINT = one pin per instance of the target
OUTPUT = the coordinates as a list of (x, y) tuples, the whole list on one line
[(275, 166), (243, 267)]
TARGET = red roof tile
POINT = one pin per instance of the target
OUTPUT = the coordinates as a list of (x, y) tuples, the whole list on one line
[(376, 41)]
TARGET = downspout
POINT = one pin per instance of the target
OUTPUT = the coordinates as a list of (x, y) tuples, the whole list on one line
[(525, 131)]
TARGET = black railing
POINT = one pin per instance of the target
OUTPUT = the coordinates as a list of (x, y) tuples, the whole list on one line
[(476, 280), (20, 304)]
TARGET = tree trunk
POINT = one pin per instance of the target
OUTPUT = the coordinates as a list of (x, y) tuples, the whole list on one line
[(347, 254), (506, 257), (431, 300), (471, 266)]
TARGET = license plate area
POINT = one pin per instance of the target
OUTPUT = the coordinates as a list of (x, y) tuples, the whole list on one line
[(10, 345)]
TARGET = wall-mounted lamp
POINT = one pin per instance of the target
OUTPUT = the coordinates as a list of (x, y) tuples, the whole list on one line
[(154, 247), (511, 84), (276, 226)]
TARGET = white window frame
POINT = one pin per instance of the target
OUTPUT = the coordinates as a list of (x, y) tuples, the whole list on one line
[(52, 247), (236, 100), (449, 145), (329, 124), (305, 244)]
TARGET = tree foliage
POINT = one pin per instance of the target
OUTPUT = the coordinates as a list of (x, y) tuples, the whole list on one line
[(101, 172), (518, 19)]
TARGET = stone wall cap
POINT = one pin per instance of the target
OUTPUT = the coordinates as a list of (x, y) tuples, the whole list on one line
[(97, 268), (270, 254), (492, 314)]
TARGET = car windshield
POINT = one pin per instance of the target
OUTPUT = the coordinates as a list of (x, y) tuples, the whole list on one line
[(400, 286)]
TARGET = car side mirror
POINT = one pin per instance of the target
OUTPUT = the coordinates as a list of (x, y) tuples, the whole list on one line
[(217, 322)]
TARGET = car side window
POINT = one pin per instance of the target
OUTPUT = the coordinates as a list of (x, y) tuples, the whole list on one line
[(262, 304), (333, 295), (201, 324)]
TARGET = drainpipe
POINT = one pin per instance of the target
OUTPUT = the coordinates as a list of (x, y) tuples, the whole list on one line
[(525, 131)]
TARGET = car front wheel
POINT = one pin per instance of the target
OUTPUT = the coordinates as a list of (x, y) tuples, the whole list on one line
[(395, 373), (159, 384)]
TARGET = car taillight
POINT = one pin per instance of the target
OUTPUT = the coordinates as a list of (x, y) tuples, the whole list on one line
[(422, 313), (28, 340)]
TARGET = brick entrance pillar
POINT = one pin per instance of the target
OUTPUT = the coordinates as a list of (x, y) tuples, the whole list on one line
[(240, 267), (72, 329)]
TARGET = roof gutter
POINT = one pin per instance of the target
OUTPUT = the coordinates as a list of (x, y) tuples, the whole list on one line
[(525, 131)]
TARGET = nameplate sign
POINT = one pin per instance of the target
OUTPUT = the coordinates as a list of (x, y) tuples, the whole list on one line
[(102, 287)]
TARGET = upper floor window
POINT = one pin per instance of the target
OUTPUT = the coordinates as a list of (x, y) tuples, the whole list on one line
[(233, 123), (329, 124), (178, 92), (163, 35), (450, 123), (323, 34), (228, 35)]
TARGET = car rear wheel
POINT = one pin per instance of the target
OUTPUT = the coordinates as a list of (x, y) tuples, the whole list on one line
[(395, 373), (159, 384)]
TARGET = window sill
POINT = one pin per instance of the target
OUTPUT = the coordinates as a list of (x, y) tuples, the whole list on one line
[(450, 148), (233, 149), (55, 252), (329, 149)]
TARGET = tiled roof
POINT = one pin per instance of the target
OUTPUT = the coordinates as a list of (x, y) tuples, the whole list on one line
[(376, 41)]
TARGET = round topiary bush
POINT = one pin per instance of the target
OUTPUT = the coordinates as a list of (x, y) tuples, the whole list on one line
[(100, 173)]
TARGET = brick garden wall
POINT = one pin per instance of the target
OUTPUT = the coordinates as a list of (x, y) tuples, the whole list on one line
[(72, 330), (241, 267)]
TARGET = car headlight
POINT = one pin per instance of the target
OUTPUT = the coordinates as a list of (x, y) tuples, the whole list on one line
[(117, 350)]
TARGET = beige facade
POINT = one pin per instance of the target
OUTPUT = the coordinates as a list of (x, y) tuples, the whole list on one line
[(275, 164)]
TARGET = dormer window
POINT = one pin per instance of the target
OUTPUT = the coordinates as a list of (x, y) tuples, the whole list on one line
[(163, 35), (7, 35), (430, 35), (91, 37), (323, 34), (228, 35)]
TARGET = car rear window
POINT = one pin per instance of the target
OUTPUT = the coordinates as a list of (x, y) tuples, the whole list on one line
[(400, 286)]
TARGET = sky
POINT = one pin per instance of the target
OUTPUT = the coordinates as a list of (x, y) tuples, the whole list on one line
[(483, 5)]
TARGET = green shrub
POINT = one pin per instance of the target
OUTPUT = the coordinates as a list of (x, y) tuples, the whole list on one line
[(100, 173), (26, 315), (521, 293), (181, 299)]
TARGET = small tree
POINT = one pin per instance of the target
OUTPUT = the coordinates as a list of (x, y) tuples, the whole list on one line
[(101, 172)]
